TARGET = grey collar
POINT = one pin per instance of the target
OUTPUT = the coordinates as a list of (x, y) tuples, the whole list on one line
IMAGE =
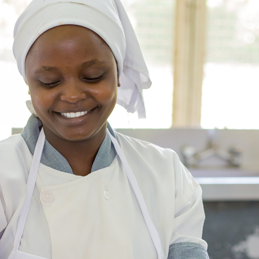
[(52, 158)]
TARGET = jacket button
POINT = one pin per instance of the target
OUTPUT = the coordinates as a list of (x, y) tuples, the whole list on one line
[(47, 196), (106, 195)]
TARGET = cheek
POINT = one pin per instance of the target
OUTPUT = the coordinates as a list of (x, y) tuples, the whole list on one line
[(108, 92), (41, 100), (108, 97)]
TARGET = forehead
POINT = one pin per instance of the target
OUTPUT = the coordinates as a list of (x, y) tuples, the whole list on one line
[(69, 41)]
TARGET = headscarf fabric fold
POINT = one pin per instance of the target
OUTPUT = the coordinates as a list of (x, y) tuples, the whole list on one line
[(109, 20)]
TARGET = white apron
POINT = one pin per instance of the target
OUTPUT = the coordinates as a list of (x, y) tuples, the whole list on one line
[(16, 254)]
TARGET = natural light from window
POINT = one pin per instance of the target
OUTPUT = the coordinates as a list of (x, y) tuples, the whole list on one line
[(230, 85), (231, 73)]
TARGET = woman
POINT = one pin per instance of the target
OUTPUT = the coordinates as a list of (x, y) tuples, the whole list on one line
[(70, 186)]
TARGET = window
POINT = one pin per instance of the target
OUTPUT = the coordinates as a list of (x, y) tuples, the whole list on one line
[(153, 24), (230, 81), (14, 92), (231, 71)]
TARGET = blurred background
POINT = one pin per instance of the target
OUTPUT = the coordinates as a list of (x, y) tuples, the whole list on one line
[(203, 58)]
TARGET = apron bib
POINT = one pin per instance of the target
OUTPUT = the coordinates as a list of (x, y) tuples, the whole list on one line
[(58, 213)]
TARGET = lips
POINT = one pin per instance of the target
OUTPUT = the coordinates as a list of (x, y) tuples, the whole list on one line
[(74, 118), (74, 114)]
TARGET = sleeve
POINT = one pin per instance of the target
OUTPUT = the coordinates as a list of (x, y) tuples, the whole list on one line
[(3, 221), (186, 239), (187, 250)]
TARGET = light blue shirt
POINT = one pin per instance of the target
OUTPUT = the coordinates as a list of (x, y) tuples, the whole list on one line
[(104, 158)]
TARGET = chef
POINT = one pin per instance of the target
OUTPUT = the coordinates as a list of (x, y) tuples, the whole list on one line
[(70, 186)]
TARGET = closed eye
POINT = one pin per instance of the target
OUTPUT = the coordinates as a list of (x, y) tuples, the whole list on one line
[(50, 84), (94, 79)]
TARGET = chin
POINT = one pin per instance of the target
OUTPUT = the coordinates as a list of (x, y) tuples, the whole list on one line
[(75, 136), (78, 135)]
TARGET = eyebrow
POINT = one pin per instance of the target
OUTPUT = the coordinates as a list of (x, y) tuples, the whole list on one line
[(85, 64), (92, 62), (45, 68)]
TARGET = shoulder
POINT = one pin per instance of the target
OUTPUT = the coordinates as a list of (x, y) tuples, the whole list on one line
[(13, 141), (146, 150), (14, 145), (149, 160), (161, 163), (15, 158), (142, 145)]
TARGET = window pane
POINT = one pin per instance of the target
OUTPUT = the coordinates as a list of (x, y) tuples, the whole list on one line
[(153, 23), (231, 81), (14, 91)]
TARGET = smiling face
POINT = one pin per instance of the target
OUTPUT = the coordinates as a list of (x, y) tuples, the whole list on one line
[(72, 77)]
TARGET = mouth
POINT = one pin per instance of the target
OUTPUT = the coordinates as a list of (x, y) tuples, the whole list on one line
[(74, 114), (74, 118)]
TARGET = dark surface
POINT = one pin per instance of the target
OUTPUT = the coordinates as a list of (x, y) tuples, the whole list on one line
[(228, 224)]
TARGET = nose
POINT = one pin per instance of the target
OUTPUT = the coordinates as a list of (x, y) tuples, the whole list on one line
[(73, 93)]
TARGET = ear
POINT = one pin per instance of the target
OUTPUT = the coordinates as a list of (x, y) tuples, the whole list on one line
[(118, 79), (28, 86)]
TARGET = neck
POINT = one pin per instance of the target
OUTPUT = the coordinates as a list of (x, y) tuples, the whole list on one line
[(79, 154)]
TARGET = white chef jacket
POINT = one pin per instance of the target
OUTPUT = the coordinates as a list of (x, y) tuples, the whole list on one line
[(171, 194)]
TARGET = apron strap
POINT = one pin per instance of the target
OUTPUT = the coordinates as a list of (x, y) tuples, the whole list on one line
[(30, 187), (131, 177)]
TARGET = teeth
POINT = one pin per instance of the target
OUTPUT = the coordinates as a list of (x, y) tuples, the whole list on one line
[(73, 114)]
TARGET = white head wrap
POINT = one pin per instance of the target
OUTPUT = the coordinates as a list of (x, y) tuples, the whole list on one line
[(109, 20)]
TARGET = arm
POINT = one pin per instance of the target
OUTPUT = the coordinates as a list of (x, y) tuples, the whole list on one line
[(187, 250), (186, 240), (3, 221)]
